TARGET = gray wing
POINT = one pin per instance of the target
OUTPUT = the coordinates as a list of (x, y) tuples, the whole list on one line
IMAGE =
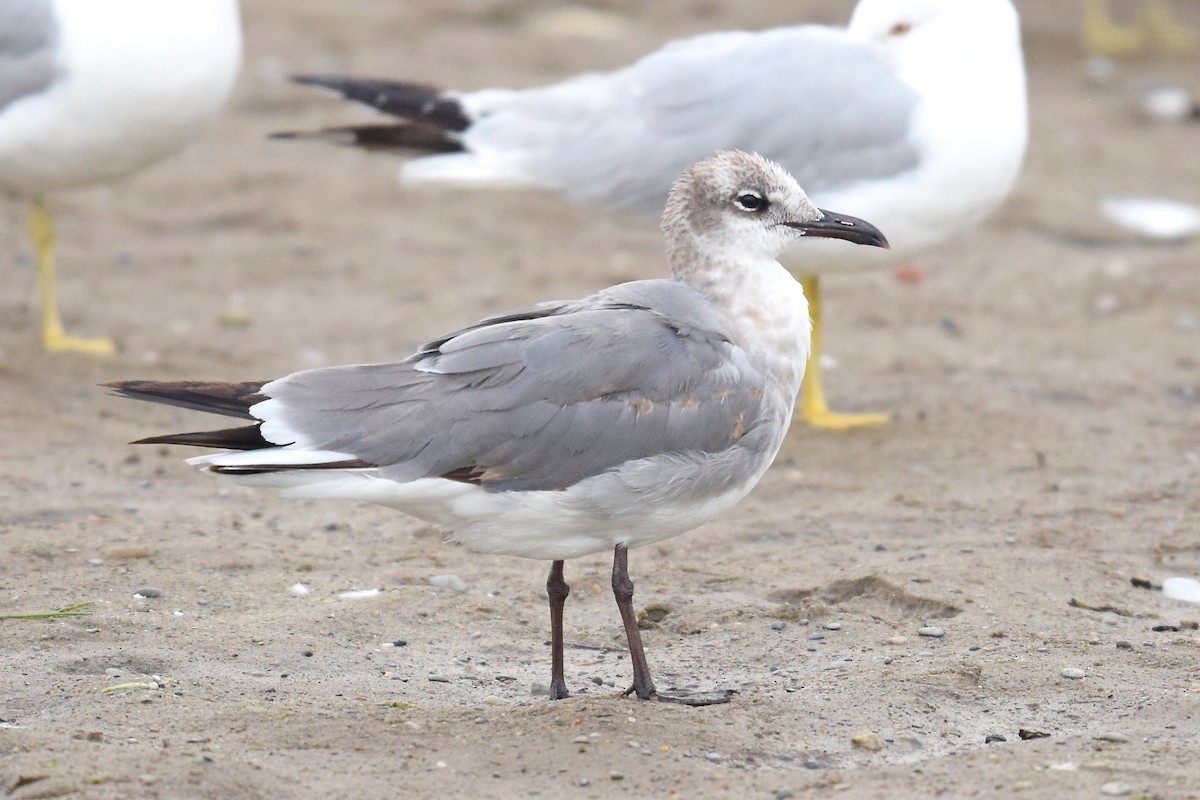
[(823, 106), (538, 399), (28, 35)]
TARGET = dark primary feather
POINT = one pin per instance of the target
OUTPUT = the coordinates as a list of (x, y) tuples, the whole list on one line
[(430, 122), (405, 137), (248, 437), (411, 101), (230, 399)]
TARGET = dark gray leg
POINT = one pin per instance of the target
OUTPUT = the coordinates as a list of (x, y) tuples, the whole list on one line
[(558, 590), (643, 684)]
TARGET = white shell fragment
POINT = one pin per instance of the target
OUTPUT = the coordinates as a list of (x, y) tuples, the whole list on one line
[(1153, 217), (358, 594), (1186, 589)]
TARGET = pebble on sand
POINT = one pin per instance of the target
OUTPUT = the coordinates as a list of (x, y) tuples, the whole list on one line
[(451, 582), (1074, 673), (931, 630), (866, 741), (1114, 789), (143, 592)]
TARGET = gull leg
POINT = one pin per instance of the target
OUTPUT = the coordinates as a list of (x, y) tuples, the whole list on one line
[(1163, 25), (54, 337), (1102, 35), (557, 589), (813, 404), (643, 684)]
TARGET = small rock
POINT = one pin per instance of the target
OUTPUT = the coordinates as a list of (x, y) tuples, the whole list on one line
[(816, 637), (113, 672), (833, 626), (931, 630), (778, 626), (993, 737), (1124, 645), (784, 794), (144, 592), (584, 782), (616, 776), (299, 589), (1113, 737), (897, 640), (1115, 789), (1074, 673), (713, 757), (866, 741), (1027, 734), (451, 582)]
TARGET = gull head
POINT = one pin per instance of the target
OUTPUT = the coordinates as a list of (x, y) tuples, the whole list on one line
[(741, 207), (905, 32)]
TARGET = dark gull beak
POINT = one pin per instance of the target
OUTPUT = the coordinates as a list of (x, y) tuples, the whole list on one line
[(842, 226)]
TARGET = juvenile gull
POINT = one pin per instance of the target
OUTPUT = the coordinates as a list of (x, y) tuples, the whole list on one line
[(913, 117), (92, 91), (568, 428)]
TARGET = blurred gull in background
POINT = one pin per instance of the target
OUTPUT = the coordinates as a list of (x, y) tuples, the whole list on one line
[(92, 91), (913, 117)]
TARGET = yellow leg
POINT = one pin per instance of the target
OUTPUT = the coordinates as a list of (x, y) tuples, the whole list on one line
[(813, 405), (1102, 35), (1169, 33), (54, 338)]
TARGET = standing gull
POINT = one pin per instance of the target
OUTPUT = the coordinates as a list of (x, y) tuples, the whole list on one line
[(914, 117), (568, 428), (93, 91)]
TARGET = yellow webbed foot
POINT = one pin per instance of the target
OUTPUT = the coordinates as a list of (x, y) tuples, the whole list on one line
[(833, 421), (54, 338), (59, 341)]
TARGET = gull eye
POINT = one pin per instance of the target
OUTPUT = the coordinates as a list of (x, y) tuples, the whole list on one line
[(751, 201), (900, 28)]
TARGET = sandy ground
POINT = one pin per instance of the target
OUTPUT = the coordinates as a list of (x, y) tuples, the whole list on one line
[(1045, 378)]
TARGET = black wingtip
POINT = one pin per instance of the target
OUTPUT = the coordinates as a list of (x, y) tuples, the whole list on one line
[(415, 102), (230, 399)]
